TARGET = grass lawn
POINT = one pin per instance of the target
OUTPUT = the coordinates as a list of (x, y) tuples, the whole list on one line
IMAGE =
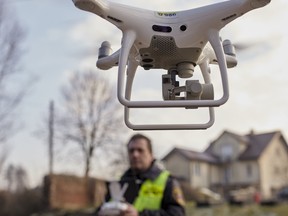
[(245, 210)]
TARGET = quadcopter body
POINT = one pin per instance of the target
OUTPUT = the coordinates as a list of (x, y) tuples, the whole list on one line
[(176, 41)]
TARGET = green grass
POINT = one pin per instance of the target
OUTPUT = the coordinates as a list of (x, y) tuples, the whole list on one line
[(246, 210)]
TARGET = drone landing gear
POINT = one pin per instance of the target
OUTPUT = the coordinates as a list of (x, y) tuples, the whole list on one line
[(196, 94), (171, 91)]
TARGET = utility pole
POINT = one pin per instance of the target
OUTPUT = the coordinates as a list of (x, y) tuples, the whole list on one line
[(51, 137)]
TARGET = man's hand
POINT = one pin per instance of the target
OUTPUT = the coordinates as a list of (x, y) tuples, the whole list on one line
[(130, 211)]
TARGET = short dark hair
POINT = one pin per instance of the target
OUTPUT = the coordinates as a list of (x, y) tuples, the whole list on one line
[(141, 136)]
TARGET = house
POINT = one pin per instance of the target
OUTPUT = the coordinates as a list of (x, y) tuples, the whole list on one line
[(235, 161)]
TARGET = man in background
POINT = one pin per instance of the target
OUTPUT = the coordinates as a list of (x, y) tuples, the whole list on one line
[(151, 190)]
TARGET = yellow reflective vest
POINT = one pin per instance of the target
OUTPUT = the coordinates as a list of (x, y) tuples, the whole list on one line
[(151, 193)]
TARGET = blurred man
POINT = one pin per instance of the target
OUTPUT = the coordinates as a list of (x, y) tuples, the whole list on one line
[(151, 190)]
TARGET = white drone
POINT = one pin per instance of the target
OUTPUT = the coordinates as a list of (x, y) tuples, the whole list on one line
[(174, 41)]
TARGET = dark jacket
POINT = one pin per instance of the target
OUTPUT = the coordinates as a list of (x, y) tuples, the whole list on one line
[(172, 202)]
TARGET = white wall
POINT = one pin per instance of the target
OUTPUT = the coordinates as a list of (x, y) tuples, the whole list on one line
[(178, 166), (244, 172), (274, 167)]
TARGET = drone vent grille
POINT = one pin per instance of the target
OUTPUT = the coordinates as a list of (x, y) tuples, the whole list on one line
[(164, 53), (164, 45)]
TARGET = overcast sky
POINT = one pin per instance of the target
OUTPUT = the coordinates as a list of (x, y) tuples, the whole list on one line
[(61, 38)]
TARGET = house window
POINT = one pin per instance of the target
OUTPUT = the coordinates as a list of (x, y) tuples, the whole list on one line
[(226, 152), (249, 170), (197, 169)]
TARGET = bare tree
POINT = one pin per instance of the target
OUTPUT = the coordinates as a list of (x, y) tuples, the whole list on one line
[(92, 116), (3, 155), (21, 179), (11, 36), (16, 177), (9, 175)]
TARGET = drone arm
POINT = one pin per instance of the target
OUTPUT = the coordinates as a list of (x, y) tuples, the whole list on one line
[(231, 61), (244, 6), (257, 3), (220, 14), (108, 62), (99, 7)]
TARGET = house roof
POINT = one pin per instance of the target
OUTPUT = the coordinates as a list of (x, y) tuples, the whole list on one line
[(192, 155), (242, 139), (256, 144)]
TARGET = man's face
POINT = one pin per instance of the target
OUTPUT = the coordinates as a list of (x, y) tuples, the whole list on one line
[(139, 155)]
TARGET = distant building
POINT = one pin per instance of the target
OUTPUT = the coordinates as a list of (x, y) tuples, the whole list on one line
[(70, 192), (234, 161)]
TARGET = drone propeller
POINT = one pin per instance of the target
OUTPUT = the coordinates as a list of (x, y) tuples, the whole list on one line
[(245, 45), (239, 46), (267, 41)]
